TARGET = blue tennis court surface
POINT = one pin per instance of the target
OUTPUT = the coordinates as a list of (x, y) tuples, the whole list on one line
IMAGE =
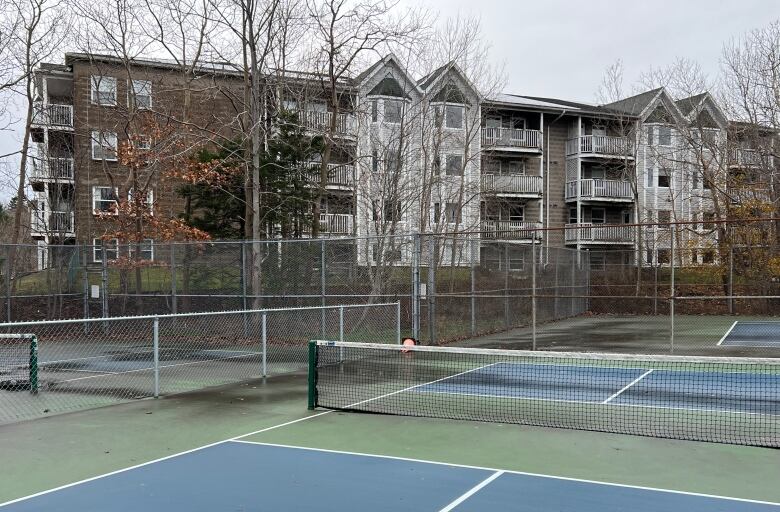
[(754, 393), (243, 476), (752, 334)]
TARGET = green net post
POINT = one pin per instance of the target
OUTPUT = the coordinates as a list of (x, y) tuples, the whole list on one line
[(312, 375), (34, 364)]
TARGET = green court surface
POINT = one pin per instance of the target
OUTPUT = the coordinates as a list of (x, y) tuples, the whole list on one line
[(45, 453)]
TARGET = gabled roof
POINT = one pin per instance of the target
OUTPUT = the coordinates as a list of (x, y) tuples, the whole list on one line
[(635, 105), (431, 77), (450, 93), (691, 103), (388, 86)]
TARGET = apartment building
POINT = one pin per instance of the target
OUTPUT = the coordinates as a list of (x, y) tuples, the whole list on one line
[(409, 154)]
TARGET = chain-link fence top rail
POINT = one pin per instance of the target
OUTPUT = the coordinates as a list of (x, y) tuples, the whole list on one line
[(88, 363), (724, 400)]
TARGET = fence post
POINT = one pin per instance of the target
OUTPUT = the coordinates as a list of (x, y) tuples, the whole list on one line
[(431, 292), (156, 350), (243, 287), (322, 288), (174, 299), (264, 328), (397, 322), (85, 285), (533, 295), (731, 277), (671, 296), (473, 291), (416, 286), (341, 332), (506, 285), (8, 253), (104, 283)]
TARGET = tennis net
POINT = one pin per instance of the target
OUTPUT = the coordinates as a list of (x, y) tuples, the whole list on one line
[(18, 362), (725, 400)]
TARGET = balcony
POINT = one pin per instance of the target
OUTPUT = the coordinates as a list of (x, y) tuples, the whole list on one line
[(340, 224), (51, 169), (749, 192), (748, 158), (319, 122), (512, 185), (511, 139), (600, 190), (510, 230), (340, 176), (43, 222), (53, 115), (603, 146), (606, 234)]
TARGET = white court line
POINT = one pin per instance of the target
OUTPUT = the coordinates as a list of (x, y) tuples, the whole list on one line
[(466, 495), (728, 332), (510, 472), (621, 390)]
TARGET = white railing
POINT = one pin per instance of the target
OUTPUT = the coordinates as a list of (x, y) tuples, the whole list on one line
[(43, 222), (510, 230), (511, 137), (598, 188), (588, 232), (52, 168), (512, 184), (599, 145), (320, 121), (51, 114), (339, 175), (746, 157), (336, 223)]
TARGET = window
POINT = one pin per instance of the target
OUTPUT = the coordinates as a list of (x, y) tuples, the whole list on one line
[(374, 160), (391, 211), (664, 216), (572, 215), (453, 116), (392, 160), (147, 249), (709, 217), (664, 136), (626, 216), (104, 199), (452, 212), (454, 165), (516, 166), (649, 256), (491, 166), (141, 90), (143, 143), (516, 213), (695, 219), (112, 249), (103, 90), (663, 178), (289, 105), (436, 212), (393, 111), (598, 215), (104, 146), (650, 141), (374, 111), (694, 257), (149, 202), (708, 256), (663, 256), (649, 173), (696, 180)]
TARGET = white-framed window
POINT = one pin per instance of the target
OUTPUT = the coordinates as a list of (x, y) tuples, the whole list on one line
[(149, 203), (664, 177), (664, 217), (104, 199), (103, 90), (572, 215), (104, 146), (515, 167), (454, 165), (147, 249), (453, 116), (626, 216), (112, 249), (650, 176), (394, 110), (650, 141), (374, 111), (388, 211), (664, 135), (452, 211), (598, 216), (516, 212), (142, 91)]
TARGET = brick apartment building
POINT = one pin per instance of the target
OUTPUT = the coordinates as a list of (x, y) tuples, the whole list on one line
[(506, 166)]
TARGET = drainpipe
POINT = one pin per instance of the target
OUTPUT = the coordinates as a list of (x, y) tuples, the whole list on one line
[(547, 184)]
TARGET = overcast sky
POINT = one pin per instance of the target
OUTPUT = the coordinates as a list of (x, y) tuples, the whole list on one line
[(560, 48)]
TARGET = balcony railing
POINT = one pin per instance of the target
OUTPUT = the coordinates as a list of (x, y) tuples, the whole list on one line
[(319, 121), (511, 138), (52, 169), (747, 158), (512, 184), (339, 175), (51, 222), (336, 223), (51, 114), (600, 145), (510, 230), (600, 189), (600, 233)]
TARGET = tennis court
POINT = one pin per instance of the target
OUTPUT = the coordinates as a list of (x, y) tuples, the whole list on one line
[(752, 334)]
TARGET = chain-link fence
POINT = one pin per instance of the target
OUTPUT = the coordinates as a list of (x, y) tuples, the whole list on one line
[(83, 363)]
